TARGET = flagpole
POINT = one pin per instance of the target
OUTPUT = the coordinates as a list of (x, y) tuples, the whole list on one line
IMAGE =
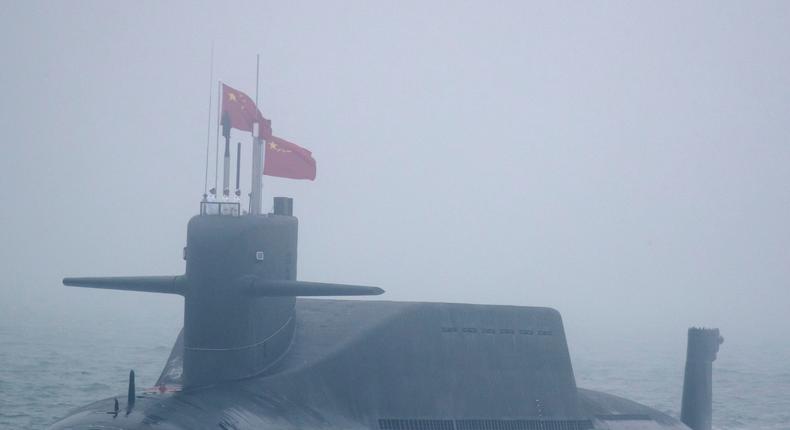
[(268, 125), (257, 75), (257, 154)]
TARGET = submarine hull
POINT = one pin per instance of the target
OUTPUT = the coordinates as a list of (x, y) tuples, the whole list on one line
[(391, 366)]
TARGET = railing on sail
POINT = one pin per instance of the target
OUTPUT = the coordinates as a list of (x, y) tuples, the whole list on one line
[(220, 208)]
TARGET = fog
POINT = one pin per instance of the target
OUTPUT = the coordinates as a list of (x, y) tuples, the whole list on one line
[(625, 163)]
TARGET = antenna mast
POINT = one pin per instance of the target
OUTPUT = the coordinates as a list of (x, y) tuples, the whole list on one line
[(208, 132), (213, 191)]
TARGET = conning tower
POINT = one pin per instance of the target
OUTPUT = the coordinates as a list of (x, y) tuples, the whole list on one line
[(239, 291), (230, 332)]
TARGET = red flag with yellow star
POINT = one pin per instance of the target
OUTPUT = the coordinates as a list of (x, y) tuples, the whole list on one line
[(288, 160), (241, 111)]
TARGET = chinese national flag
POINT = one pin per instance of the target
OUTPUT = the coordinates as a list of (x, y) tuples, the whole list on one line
[(241, 111), (288, 160)]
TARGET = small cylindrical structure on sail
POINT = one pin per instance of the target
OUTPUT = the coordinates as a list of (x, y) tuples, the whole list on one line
[(226, 164), (238, 169), (257, 170)]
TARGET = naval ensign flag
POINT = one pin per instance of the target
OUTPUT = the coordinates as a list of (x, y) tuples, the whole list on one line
[(288, 160), (241, 112)]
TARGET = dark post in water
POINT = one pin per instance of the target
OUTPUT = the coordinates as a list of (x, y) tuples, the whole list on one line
[(130, 395), (697, 407)]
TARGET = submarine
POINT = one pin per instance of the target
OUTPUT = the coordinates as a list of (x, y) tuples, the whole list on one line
[(262, 350)]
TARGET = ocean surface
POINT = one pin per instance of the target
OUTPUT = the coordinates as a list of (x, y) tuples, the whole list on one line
[(50, 366)]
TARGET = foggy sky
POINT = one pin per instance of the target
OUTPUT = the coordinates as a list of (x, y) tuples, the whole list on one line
[(624, 162)]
